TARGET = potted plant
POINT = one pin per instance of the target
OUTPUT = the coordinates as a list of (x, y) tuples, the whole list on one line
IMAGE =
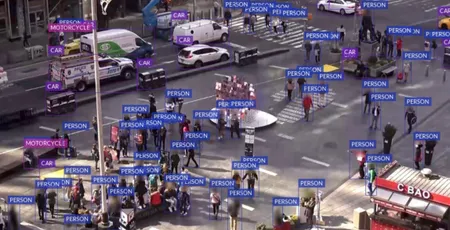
[(388, 134), (429, 150), (335, 53)]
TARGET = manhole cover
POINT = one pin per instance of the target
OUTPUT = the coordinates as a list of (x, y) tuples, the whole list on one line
[(331, 145), (29, 70)]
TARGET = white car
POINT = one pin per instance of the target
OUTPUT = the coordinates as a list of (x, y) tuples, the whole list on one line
[(338, 6), (198, 55)]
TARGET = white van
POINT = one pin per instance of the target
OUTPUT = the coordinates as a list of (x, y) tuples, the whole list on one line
[(118, 43), (203, 31)]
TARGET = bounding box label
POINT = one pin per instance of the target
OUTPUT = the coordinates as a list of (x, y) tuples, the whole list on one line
[(206, 114), (260, 160), (75, 125), (427, 136), (362, 144), (337, 76), (241, 193), (285, 201), (315, 88), (322, 36), (383, 97), (418, 101), (183, 145), (77, 170), (104, 179), (237, 165), (131, 109), (222, 183), (235, 104), (311, 183), (374, 84), (379, 158)]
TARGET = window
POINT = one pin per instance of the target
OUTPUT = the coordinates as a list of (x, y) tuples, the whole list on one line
[(339, 2), (216, 26), (210, 50), (200, 52), (139, 42), (104, 63)]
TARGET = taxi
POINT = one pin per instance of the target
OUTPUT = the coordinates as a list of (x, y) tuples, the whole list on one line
[(72, 48)]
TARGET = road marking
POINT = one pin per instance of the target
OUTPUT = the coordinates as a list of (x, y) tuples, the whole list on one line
[(256, 138), (168, 62), (280, 122), (30, 225), (424, 21), (403, 95), (39, 87), (142, 99), (355, 102), (163, 109), (278, 67), (236, 45), (47, 128), (339, 105), (243, 206), (267, 172), (315, 161), (285, 136), (221, 75), (111, 118)]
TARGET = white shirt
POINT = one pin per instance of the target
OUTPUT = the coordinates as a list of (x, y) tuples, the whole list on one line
[(340, 30), (1, 220)]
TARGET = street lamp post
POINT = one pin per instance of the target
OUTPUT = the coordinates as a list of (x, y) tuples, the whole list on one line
[(105, 223)]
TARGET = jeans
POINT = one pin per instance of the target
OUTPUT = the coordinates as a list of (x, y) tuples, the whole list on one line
[(409, 127), (374, 124), (215, 209), (251, 184), (369, 187), (306, 114), (289, 94), (52, 209), (193, 159), (361, 171)]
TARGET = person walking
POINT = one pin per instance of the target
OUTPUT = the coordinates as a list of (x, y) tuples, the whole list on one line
[(367, 101), (322, 101), (41, 205), (174, 161), (80, 187), (51, 196), (399, 45), (317, 52), (191, 156), (362, 163), (124, 141), (221, 126), (390, 43), (253, 20), (95, 155), (433, 48), (301, 82), (372, 177), (375, 116), (233, 210), (252, 178), (267, 20), (290, 87), (246, 27), (2, 221), (197, 126), (418, 155), (227, 15), (162, 138), (341, 31), (184, 201), (139, 140), (308, 48), (307, 104), (284, 26), (238, 179), (95, 127), (275, 23), (26, 43), (411, 118), (215, 202), (406, 69), (235, 125)]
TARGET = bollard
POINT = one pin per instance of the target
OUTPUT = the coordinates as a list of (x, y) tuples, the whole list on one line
[(444, 78), (427, 70)]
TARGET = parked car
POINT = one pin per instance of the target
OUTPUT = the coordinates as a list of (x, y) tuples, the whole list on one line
[(342, 7), (199, 55)]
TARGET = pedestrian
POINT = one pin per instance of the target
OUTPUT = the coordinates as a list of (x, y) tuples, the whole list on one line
[(375, 116), (80, 187), (164, 171), (427, 46), (367, 102), (308, 48), (251, 180), (307, 104), (51, 196), (399, 45), (185, 201), (275, 23), (221, 126), (41, 205), (246, 23), (301, 82), (384, 43), (67, 151), (284, 26), (290, 87), (309, 210), (433, 48), (253, 20), (372, 177), (2, 221), (170, 195), (184, 127), (26, 43), (235, 125), (163, 159), (124, 141), (139, 140), (141, 189), (341, 31), (175, 161), (96, 196), (418, 155), (156, 139), (108, 157), (237, 179), (191, 156), (162, 138), (95, 127), (322, 101), (216, 9), (153, 181), (227, 16), (281, 221), (406, 69), (215, 202), (317, 52), (95, 155), (267, 20), (61, 38), (362, 163), (197, 126), (233, 210), (390, 47), (180, 102), (411, 118)]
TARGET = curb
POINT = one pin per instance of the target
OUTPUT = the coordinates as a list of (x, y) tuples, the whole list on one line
[(172, 77)]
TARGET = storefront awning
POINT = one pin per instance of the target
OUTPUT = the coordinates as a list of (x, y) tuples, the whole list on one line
[(382, 194), (436, 210), (418, 205), (399, 199)]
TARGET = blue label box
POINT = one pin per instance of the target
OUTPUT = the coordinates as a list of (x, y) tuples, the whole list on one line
[(65, 182), (132, 109), (222, 183), (374, 97), (237, 165), (183, 145), (311, 183), (44, 184), (77, 219), (374, 5), (206, 114), (197, 136), (312, 69), (147, 156), (139, 170), (315, 88), (375, 84), (379, 158), (121, 191), (21, 200), (235, 4), (436, 34), (404, 31), (176, 178), (283, 5), (289, 13), (241, 193), (418, 101), (195, 182), (296, 73), (336, 76), (362, 144), (141, 124), (235, 104), (168, 117), (77, 170), (256, 10), (74, 125), (264, 4), (285, 201), (260, 160), (416, 55), (427, 136), (322, 36), (104, 180), (179, 93)]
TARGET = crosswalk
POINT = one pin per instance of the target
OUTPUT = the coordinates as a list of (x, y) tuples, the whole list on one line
[(293, 111), (293, 36)]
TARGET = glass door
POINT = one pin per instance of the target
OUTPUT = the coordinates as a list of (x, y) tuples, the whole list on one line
[(37, 22)]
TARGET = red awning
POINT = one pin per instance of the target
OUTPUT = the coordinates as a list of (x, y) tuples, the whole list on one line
[(377, 225)]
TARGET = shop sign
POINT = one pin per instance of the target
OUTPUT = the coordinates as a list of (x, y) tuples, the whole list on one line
[(413, 191)]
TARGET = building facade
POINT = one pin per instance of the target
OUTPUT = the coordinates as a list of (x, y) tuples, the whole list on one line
[(19, 17)]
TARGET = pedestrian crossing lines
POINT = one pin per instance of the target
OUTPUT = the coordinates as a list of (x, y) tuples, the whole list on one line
[(292, 37), (293, 111)]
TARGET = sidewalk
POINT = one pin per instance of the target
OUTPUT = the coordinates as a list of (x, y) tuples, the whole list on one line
[(337, 208)]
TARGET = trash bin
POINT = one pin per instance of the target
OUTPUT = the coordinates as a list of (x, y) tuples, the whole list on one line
[(246, 56), (152, 79)]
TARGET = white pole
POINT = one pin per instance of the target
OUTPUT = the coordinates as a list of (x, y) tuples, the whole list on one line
[(105, 221)]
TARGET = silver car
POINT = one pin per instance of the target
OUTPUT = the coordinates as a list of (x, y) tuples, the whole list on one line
[(199, 55)]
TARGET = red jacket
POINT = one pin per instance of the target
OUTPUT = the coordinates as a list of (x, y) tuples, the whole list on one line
[(283, 226), (399, 44), (307, 102)]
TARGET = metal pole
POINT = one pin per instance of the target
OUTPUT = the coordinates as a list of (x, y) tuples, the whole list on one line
[(105, 221), (194, 10)]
